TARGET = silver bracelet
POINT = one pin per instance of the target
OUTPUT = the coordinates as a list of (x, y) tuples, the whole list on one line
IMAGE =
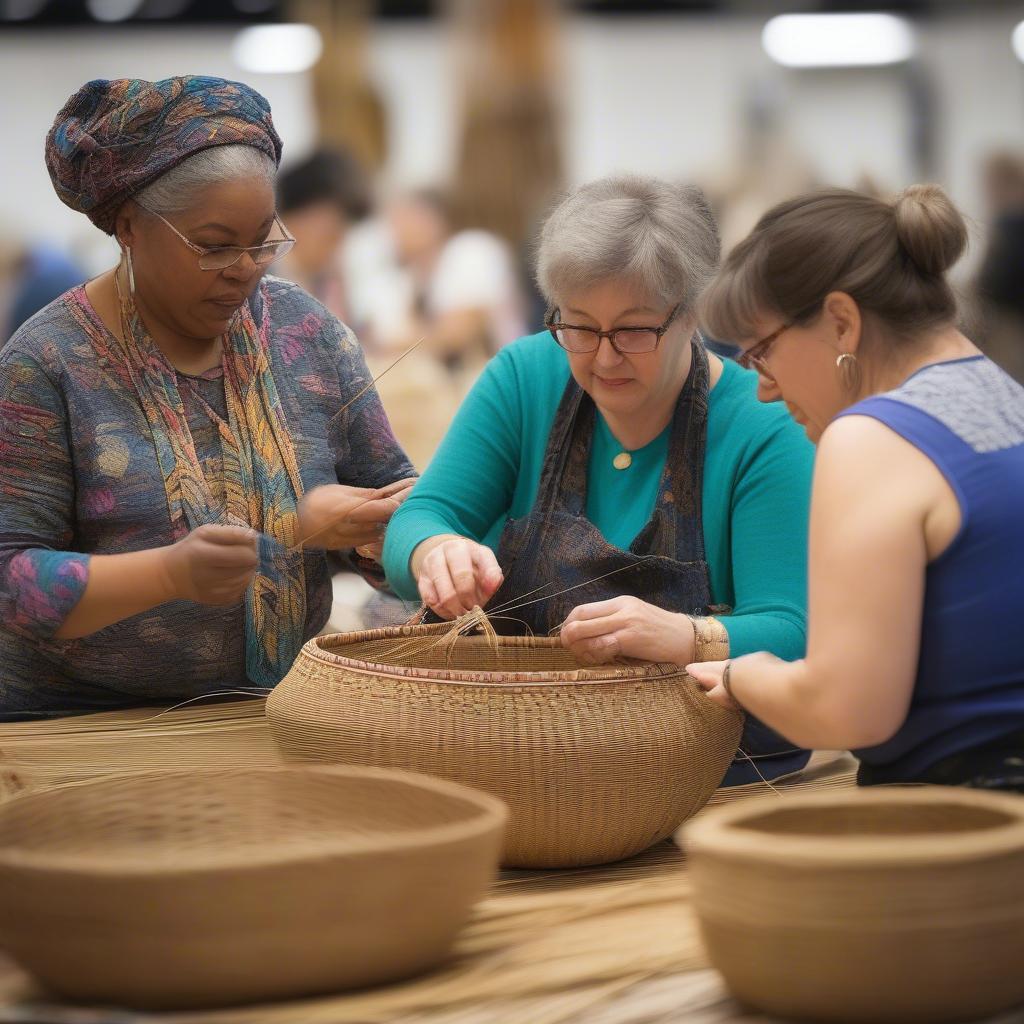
[(727, 685)]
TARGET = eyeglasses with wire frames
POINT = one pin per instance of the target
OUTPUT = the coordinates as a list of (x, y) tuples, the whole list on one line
[(756, 357), (223, 256), (625, 340)]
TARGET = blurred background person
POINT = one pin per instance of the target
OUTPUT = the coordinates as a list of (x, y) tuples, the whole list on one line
[(32, 275), (321, 197), (1000, 281), (461, 286)]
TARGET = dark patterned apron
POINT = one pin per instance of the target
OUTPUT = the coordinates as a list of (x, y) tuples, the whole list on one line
[(555, 546)]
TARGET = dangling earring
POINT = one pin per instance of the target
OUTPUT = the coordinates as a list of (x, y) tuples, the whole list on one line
[(126, 253), (849, 372)]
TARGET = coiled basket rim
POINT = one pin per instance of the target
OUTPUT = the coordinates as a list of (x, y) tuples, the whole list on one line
[(487, 812), (726, 831), (318, 648)]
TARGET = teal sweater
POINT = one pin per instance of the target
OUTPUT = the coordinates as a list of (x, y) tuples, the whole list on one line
[(757, 475)]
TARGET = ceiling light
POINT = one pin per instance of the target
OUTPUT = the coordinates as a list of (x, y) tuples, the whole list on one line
[(277, 49), (838, 40)]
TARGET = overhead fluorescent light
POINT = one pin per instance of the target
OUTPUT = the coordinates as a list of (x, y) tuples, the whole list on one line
[(277, 49), (838, 40)]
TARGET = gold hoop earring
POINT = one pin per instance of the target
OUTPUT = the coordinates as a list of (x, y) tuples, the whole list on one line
[(849, 371)]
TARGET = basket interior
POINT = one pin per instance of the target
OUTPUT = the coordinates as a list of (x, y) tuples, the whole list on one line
[(467, 653), (877, 819), (219, 816)]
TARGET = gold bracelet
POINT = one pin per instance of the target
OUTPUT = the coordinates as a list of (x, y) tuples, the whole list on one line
[(710, 639)]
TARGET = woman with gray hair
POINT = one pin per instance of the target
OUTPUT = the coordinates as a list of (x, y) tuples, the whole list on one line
[(609, 478), (182, 437)]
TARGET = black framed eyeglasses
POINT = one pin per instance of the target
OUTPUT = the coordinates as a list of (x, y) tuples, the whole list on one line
[(223, 256), (625, 340), (756, 357)]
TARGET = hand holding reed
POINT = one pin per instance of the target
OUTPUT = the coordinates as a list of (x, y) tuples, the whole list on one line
[(338, 516), (455, 574), (212, 565)]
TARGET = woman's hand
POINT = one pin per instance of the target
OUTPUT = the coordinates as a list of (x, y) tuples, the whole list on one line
[(626, 627), (711, 677), (212, 565), (337, 516), (454, 574)]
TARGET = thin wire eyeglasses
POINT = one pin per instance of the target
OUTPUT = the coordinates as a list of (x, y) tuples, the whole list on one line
[(224, 256), (756, 357), (625, 340)]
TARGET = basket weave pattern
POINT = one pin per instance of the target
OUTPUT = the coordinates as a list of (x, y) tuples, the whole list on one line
[(206, 888), (596, 764), (901, 906)]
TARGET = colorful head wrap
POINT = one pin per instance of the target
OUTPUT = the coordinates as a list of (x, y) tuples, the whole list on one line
[(112, 138)]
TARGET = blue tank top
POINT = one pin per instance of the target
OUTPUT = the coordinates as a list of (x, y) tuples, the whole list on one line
[(967, 416)]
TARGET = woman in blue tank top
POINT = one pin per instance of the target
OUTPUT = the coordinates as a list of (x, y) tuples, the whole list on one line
[(915, 650)]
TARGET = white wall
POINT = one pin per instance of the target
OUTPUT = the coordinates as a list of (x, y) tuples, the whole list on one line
[(663, 95)]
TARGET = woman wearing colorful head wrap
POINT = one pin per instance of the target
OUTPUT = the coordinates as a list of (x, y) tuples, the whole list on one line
[(175, 430)]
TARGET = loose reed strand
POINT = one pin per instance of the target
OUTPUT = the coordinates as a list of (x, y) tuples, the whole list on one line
[(387, 369), (586, 583), (379, 493)]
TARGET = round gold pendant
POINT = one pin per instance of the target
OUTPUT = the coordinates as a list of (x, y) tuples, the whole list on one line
[(623, 460)]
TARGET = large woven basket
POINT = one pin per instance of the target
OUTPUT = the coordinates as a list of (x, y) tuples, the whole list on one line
[(901, 906), (596, 764), (188, 889)]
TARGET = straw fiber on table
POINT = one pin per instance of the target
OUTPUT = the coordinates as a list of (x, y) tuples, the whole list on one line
[(197, 889), (198, 735), (896, 906), (596, 763)]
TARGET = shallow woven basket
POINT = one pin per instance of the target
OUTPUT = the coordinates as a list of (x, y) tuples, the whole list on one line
[(595, 763), (896, 905), (189, 889)]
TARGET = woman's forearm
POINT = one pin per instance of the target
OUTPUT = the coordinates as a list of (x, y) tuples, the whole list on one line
[(118, 587), (803, 702)]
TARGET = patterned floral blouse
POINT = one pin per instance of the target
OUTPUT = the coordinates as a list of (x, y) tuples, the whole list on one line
[(80, 477)]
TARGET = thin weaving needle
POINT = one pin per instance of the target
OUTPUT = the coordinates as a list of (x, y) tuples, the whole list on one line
[(412, 348)]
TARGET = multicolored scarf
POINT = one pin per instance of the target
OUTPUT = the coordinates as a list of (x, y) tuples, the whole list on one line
[(261, 477)]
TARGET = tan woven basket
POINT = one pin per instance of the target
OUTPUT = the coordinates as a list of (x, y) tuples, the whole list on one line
[(187, 889), (896, 905), (596, 764)]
